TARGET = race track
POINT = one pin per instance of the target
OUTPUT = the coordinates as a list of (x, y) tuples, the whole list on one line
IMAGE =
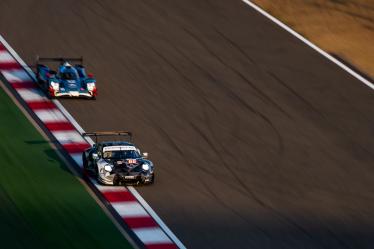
[(260, 142)]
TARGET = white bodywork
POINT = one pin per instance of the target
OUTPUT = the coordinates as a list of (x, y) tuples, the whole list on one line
[(116, 148)]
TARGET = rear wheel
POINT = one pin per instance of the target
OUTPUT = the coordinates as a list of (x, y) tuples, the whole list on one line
[(85, 164)]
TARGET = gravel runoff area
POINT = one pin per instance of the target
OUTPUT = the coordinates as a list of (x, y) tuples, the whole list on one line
[(344, 28)]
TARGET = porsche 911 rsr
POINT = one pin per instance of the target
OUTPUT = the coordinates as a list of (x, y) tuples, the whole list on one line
[(117, 162)]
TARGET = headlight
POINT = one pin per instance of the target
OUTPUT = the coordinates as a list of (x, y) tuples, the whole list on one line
[(107, 168), (55, 85), (145, 166), (90, 86)]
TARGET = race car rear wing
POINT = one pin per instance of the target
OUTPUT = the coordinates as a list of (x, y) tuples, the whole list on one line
[(59, 59), (108, 133)]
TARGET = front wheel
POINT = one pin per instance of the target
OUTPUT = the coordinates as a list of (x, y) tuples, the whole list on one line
[(152, 181)]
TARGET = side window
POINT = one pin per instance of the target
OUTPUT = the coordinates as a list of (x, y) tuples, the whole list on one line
[(81, 71)]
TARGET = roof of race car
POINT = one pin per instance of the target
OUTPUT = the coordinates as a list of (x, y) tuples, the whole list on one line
[(116, 148), (69, 68), (116, 143)]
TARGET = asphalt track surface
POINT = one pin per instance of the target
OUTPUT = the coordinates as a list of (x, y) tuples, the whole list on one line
[(259, 141)]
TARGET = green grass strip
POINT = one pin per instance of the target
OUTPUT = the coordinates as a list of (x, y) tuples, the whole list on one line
[(42, 205)]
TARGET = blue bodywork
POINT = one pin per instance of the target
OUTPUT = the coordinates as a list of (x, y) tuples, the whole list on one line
[(68, 81)]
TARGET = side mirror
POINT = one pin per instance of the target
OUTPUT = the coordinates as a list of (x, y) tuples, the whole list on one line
[(95, 156), (145, 154)]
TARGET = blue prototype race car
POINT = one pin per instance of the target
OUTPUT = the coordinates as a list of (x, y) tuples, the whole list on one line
[(67, 81)]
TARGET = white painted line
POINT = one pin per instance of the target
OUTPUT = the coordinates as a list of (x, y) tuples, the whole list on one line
[(68, 137), (77, 157), (50, 115), (130, 209), (152, 235), (31, 94), (16, 56), (5, 57), (310, 44), (72, 120), (156, 217), (16, 75)]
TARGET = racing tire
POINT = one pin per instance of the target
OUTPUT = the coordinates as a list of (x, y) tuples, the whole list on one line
[(152, 180), (84, 160), (85, 165)]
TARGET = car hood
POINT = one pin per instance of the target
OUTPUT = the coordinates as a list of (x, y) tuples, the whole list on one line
[(72, 85), (127, 163)]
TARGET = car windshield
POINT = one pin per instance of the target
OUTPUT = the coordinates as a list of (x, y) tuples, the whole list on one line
[(69, 75), (121, 154)]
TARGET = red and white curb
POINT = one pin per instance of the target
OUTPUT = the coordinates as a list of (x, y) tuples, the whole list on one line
[(126, 201)]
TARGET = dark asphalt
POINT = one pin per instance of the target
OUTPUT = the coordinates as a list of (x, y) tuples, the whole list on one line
[(259, 141)]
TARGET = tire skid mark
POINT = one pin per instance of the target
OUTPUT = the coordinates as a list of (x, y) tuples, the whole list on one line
[(252, 194), (323, 117), (191, 164), (238, 73), (242, 102)]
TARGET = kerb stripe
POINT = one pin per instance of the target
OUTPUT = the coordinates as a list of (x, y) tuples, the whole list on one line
[(120, 196), (161, 246), (59, 126), (138, 222), (24, 85), (76, 147)]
